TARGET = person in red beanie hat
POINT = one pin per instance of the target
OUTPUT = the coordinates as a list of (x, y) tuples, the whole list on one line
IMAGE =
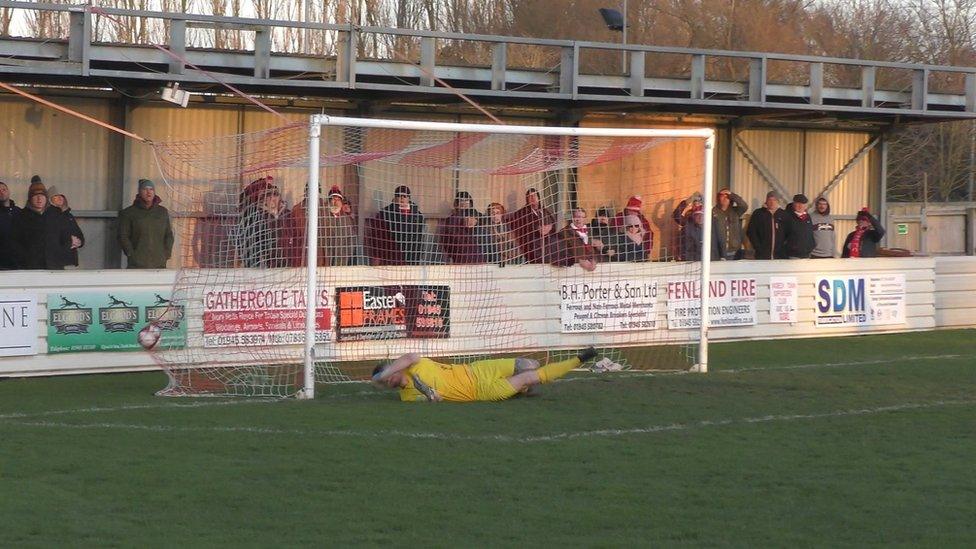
[(633, 207)]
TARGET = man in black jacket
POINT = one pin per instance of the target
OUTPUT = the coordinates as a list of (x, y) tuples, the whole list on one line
[(405, 226), (42, 236), (798, 239), (765, 230), (8, 212)]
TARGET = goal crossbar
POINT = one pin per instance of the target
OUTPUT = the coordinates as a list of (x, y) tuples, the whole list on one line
[(315, 134)]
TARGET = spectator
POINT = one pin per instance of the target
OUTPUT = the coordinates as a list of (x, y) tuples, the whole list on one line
[(728, 221), (863, 241), (8, 213), (765, 230), (145, 233), (604, 236), (633, 207), (401, 230), (798, 239), (573, 245), (824, 238), (694, 231), (532, 224), (340, 230), (265, 239), (60, 201), (461, 234), (631, 244), (500, 244), (42, 236), (337, 233), (682, 216)]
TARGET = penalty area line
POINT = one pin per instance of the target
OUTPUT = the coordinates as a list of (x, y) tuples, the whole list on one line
[(516, 439)]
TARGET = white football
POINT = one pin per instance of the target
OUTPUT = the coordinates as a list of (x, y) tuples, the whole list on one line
[(149, 336)]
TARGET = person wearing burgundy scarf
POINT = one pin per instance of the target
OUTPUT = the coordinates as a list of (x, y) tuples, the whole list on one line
[(798, 239), (574, 244), (863, 241)]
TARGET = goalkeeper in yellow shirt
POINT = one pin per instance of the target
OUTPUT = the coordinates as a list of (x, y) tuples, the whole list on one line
[(424, 380)]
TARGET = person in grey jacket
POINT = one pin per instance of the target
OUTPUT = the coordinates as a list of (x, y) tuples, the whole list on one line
[(824, 237), (728, 221)]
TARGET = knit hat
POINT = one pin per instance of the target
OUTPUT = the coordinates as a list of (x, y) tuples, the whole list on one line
[(36, 179), (864, 214), (631, 220), (402, 190), (800, 198), (144, 183), (258, 189), (634, 203), (36, 187), (334, 191), (53, 191)]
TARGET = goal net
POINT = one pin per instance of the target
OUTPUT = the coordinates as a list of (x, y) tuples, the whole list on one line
[(459, 242)]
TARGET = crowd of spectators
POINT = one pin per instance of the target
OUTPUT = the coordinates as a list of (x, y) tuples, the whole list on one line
[(44, 234)]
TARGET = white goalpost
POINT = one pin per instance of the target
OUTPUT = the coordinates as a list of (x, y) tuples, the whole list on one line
[(315, 135), (313, 251)]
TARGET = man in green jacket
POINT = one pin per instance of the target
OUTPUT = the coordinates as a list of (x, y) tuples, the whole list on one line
[(145, 233)]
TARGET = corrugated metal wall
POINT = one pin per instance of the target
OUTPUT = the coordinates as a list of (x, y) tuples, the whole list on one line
[(98, 170), (805, 161)]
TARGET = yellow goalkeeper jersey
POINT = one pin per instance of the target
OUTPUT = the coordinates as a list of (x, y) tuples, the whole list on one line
[(451, 381)]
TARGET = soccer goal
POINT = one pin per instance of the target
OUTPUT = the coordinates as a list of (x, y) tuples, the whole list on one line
[(456, 241)]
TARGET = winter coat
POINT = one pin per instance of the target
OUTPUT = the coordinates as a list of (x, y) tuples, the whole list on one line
[(526, 224), (628, 250), (869, 240), (765, 232), (824, 237), (797, 235), (75, 231), (8, 259), (42, 240), (618, 223), (402, 235), (606, 234), (265, 239), (460, 243), (500, 245), (337, 236), (693, 234), (567, 248), (146, 235), (729, 225)]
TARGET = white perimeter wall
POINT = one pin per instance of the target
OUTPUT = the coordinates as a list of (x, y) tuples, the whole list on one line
[(941, 293)]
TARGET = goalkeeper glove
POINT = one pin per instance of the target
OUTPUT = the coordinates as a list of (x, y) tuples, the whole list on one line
[(587, 354)]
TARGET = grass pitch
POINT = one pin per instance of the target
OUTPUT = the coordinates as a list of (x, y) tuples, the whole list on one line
[(856, 441)]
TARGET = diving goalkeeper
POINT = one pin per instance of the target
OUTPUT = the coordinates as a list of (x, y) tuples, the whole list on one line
[(421, 379)]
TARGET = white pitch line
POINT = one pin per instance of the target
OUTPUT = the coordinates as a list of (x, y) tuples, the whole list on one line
[(555, 437), (601, 377), (661, 373)]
